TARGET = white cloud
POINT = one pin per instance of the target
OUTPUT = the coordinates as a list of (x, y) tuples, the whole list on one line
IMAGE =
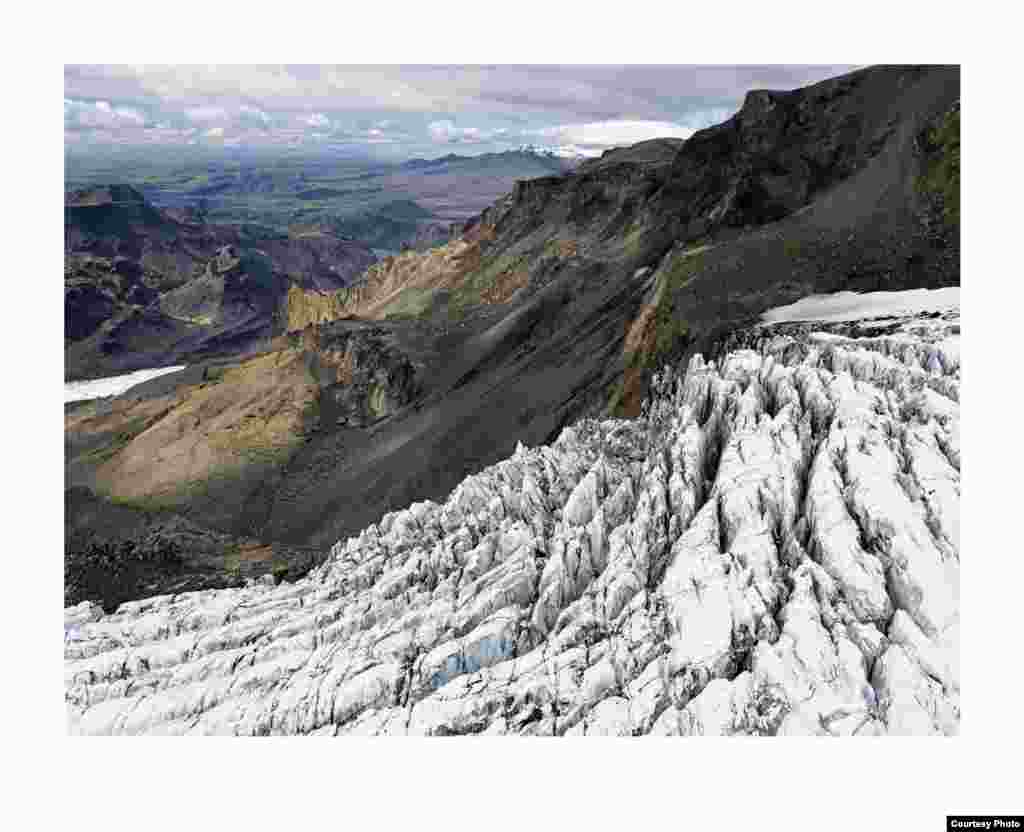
[(591, 108), (592, 138), (163, 134), (445, 131), (215, 133), (571, 151), (100, 115), (535, 95)]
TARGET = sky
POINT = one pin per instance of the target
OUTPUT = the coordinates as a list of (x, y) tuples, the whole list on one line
[(401, 112)]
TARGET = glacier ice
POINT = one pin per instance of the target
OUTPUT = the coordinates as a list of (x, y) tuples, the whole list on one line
[(772, 548)]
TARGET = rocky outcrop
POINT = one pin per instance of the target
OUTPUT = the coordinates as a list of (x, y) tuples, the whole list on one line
[(406, 283), (363, 376), (772, 548), (96, 288), (116, 552), (310, 307)]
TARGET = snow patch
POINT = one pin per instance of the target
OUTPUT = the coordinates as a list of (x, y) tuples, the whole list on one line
[(99, 388), (854, 306)]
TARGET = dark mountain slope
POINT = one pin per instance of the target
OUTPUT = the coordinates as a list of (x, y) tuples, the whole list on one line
[(840, 205), (650, 153), (814, 190)]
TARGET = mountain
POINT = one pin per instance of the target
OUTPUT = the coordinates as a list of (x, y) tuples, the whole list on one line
[(440, 161), (525, 162), (382, 205), (145, 287), (558, 302), (564, 296), (772, 548), (456, 188)]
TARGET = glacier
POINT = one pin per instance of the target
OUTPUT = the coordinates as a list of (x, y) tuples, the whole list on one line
[(772, 548)]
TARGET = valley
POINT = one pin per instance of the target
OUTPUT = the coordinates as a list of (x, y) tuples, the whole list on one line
[(385, 206)]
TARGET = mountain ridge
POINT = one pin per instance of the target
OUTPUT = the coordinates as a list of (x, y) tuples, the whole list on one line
[(548, 157)]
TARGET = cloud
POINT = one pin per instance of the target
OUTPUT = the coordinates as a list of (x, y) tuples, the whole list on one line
[(571, 151), (446, 132), (215, 133), (317, 120), (86, 115), (592, 138), (590, 93), (414, 108)]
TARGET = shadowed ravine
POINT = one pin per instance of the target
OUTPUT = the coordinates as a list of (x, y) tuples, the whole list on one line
[(772, 547)]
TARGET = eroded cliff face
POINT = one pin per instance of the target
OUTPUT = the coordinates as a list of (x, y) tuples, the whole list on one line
[(305, 307), (771, 548), (405, 285), (362, 374)]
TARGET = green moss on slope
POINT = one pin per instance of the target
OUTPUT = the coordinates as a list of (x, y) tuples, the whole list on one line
[(669, 325), (942, 174), (658, 332), (126, 434), (480, 286)]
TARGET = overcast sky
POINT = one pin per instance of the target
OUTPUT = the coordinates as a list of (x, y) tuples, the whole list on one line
[(400, 112)]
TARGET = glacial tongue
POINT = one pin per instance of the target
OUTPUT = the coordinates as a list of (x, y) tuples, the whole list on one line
[(772, 548)]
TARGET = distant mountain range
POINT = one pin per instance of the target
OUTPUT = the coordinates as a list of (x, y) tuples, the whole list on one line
[(527, 160), (385, 206)]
